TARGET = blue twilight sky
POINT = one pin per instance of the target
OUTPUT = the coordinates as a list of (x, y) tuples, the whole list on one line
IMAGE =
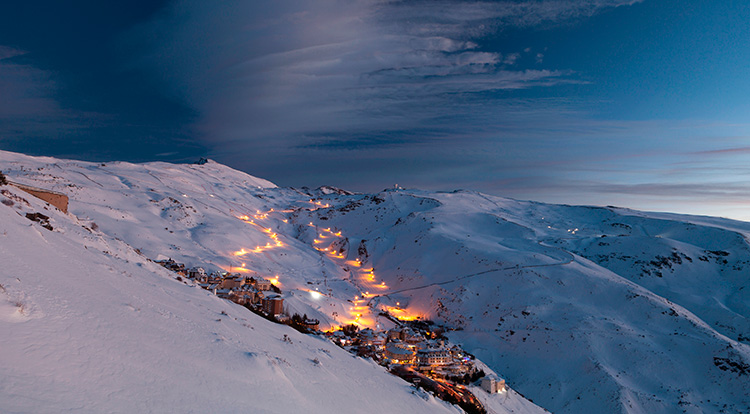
[(637, 103)]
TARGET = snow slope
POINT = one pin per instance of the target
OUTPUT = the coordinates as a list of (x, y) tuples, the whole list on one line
[(569, 332), (581, 309), (89, 325)]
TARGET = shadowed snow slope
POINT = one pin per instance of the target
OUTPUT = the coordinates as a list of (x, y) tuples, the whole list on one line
[(581, 309)]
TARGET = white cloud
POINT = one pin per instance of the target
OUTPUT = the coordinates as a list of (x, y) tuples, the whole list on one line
[(286, 72), (511, 58)]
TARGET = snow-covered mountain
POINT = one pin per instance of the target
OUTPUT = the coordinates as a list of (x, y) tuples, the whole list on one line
[(581, 309), (90, 326)]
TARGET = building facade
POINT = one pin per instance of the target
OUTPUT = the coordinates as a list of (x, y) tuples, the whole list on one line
[(273, 304), (493, 385)]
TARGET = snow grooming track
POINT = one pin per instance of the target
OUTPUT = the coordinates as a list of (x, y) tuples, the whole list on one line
[(516, 267)]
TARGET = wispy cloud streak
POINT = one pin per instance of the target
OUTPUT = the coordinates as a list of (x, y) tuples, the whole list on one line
[(27, 105), (25, 90), (299, 73)]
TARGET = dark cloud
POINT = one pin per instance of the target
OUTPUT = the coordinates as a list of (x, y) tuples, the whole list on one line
[(27, 104), (63, 92)]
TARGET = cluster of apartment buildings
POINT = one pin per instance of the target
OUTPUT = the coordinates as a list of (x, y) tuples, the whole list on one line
[(413, 352), (418, 354), (410, 347), (256, 292)]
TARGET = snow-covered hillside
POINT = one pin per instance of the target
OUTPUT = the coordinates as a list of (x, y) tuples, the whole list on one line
[(581, 309), (90, 325)]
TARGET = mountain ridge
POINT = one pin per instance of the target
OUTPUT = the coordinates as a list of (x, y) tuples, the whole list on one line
[(530, 287)]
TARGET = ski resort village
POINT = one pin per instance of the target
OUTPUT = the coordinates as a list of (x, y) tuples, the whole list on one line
[(412, 349)]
